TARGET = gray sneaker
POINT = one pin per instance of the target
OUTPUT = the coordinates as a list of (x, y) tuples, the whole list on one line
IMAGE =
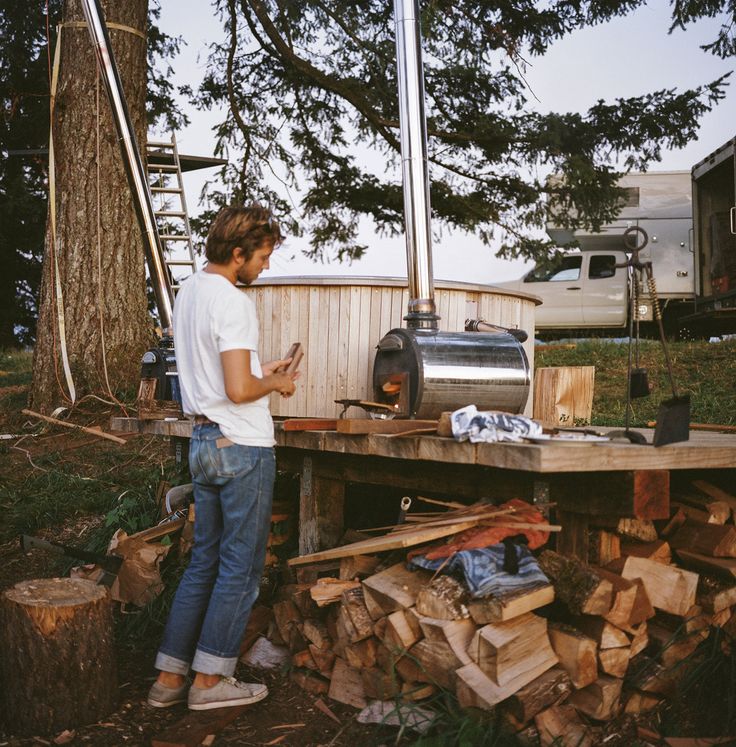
[(160, 696), (227, 692)]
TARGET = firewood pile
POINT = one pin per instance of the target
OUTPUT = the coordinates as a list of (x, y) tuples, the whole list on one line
[(602, 638)]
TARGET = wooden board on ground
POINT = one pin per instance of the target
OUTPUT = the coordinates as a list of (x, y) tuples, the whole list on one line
[(196, 726), (356, 426)]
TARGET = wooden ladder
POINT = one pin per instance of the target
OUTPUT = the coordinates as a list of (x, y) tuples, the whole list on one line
[(170, 206)]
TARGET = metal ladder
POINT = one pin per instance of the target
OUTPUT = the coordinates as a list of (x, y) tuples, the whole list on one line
[(170, 208)]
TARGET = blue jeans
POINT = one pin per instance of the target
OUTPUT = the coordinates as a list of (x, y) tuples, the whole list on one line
[(233, 490)]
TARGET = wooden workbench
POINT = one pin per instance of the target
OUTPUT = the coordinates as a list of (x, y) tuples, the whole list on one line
[(583, 480)]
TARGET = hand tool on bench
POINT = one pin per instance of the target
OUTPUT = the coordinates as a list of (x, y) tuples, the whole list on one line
[(376, 410), (110, 564)]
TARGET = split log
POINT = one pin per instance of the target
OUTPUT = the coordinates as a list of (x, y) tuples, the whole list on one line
[(412, 692), (58, 666), (614, 661), (603, 547), (716, 493), (403, 629), (658, 550), (600, 700), (329, 590), (457, 634), (324, 659), (303, 659), (669, 588), (677, 519), (576, 652), (363, 654), (353, 601), (561, 725), (640, 529), (601, 631), (639, 639), (673, 647), (309, 681), (286, 616), (346, 686), (714, 511), (507, 606), (444, 598), (724, 567), (708, 539), (637, 702), (395, 588), (509, 651), (642, 609), (576, 584), (358, 566), (623, 600), (714, 595), (379, 685), (316, 633), (548, 689), (438, 662), (475, 689)]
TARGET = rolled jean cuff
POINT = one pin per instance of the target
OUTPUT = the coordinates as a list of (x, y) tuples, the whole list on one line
[(166, 663), (205, 663)]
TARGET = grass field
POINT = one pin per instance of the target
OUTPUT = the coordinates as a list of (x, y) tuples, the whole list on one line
[(706, 371)]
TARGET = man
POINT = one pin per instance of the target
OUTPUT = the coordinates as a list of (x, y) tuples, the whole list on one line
[(231, 457)]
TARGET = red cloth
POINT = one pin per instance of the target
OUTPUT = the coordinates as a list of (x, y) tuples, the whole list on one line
[(484, 536)]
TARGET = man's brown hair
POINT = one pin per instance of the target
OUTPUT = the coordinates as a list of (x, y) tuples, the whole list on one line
[(246, 227)]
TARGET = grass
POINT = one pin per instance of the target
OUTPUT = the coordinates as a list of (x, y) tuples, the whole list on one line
[(707, 371)]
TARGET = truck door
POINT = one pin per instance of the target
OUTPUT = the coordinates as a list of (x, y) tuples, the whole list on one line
[(561, 290), (604, 303)]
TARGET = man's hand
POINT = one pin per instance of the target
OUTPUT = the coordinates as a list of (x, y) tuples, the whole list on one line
[(274, 366), (242, 386)]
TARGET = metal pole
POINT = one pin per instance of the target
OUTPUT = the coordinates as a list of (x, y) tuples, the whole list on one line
[(415, 173), (134, 170)]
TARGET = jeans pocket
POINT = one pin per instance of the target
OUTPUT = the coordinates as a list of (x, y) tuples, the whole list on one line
[(235, 460)]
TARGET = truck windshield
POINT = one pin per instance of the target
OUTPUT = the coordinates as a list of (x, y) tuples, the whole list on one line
[(565, 269)]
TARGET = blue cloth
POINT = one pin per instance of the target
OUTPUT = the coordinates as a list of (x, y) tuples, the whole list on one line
[(233, 490), (483, 571)]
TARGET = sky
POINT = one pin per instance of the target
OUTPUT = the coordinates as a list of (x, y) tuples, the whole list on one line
[(629, 56)]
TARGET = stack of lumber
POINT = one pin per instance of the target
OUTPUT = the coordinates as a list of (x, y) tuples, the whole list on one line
[(605, 637)]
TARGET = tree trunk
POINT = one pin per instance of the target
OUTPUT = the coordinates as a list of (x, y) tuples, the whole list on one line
[(58, 668), (105, 305)]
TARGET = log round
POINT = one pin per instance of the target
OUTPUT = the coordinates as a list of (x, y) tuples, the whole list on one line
[(340, 320), (57, 660)]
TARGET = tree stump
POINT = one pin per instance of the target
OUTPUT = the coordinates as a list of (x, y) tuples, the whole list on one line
[(57, 661)]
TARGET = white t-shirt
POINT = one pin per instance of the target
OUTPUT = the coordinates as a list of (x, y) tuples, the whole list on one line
[(210, 316)]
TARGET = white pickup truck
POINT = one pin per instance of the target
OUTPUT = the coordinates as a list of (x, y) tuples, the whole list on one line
[(586, 290)]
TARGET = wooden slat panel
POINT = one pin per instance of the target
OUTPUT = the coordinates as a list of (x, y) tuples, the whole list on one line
[(340, 336)]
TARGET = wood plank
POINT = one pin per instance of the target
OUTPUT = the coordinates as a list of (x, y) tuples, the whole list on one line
[(356, 426), (191, 730), (394, 541), (563, 395), (309, 424)]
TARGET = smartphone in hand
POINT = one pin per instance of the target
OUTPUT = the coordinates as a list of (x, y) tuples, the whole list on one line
[(296, 353)]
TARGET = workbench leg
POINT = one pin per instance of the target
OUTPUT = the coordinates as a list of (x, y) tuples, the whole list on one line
[(321, 508), (573, 539)]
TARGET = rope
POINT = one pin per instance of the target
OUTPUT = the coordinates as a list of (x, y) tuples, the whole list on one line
[(52, 219), (109, 24)]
